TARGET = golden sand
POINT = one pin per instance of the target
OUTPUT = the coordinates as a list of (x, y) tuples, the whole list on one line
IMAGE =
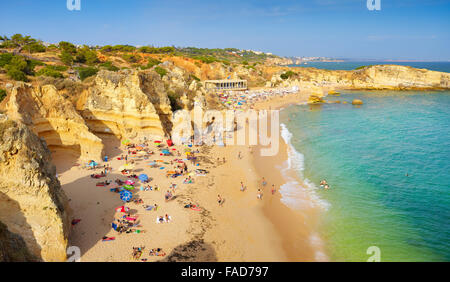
[(244, 228)]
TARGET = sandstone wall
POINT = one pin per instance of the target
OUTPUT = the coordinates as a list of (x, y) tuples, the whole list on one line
[(53, 118), (32, 203)]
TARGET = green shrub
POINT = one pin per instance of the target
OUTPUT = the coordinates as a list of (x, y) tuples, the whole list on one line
[(2, 94), (86, 56), (67, 47), (86, 72), (206, 59), (362, 67), (153, 62), (35, 47), (156, 50), (287, 75), (131, 58), (16, 74), (162, 72), (109, 66), (17, 67), (52, 71), (66, 58), (5, 59)]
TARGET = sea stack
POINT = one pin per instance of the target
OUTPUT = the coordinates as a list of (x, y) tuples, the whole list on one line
[(357, 102)]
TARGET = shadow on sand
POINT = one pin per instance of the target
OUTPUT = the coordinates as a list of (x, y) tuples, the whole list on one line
[(85, 196), (193, 251), (16, 222)]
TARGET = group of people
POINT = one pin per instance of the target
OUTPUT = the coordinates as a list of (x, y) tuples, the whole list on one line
[(324, 184)]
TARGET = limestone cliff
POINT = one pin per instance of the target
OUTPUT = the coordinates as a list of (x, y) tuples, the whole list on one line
[(373, 77), (32, 203), (53, 118), (127, 104)]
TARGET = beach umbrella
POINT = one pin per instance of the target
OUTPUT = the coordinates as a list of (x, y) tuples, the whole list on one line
[(126, 142), (128, 187), (92, 164), (126, 196), (152, 164), (166, 152), (129, 182), (143, 177), (139, 148), (142, 153)]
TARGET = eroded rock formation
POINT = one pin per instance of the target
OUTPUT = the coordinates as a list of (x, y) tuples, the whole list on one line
[(53, 118), (127, 104), (392, 77), (32, 203)]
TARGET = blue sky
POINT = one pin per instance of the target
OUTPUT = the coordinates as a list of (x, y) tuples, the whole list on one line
[(403, 29)]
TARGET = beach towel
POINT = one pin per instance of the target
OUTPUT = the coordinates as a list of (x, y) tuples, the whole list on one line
[(75, 221), (105, 239)]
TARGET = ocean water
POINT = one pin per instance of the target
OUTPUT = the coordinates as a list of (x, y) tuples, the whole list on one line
[(436, 66), (388, 165)]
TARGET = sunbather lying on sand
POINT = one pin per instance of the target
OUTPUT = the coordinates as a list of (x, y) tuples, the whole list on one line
[(157, 252)]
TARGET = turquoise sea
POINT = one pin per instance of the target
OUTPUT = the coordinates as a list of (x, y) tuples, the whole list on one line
[(351, 65), (388, 164)]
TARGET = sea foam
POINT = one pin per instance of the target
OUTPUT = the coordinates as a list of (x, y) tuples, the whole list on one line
[(293, 194)]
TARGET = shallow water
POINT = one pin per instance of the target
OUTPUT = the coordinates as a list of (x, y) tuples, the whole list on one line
[(388, 165)]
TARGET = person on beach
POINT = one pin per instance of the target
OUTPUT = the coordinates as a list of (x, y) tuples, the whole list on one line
[(242, 186), (273, 189), (264, 182), (323, 182), (239, 155), (219, 200), (259, 195), (326, 187)]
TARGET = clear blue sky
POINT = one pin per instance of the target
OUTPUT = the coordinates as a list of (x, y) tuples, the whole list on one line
[(403, 29)]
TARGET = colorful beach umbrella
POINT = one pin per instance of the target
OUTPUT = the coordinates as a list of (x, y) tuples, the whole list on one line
[(143, 177), (126, 142), (166, 152), (126, 196)]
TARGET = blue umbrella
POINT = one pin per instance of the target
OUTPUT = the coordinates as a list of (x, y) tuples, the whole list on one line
[(92, 164), (165, 152), (143, 177), (126, 196)]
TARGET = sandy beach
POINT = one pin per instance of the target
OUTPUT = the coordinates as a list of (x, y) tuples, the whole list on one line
[(242, 228)]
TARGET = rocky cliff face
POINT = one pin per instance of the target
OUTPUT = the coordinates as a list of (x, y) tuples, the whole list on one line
[(127, 104), (374, 77), (53, 118), (32, 204)]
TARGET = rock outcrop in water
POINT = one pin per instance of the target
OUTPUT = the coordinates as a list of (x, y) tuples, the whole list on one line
[(32, 203), (53, 118)]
